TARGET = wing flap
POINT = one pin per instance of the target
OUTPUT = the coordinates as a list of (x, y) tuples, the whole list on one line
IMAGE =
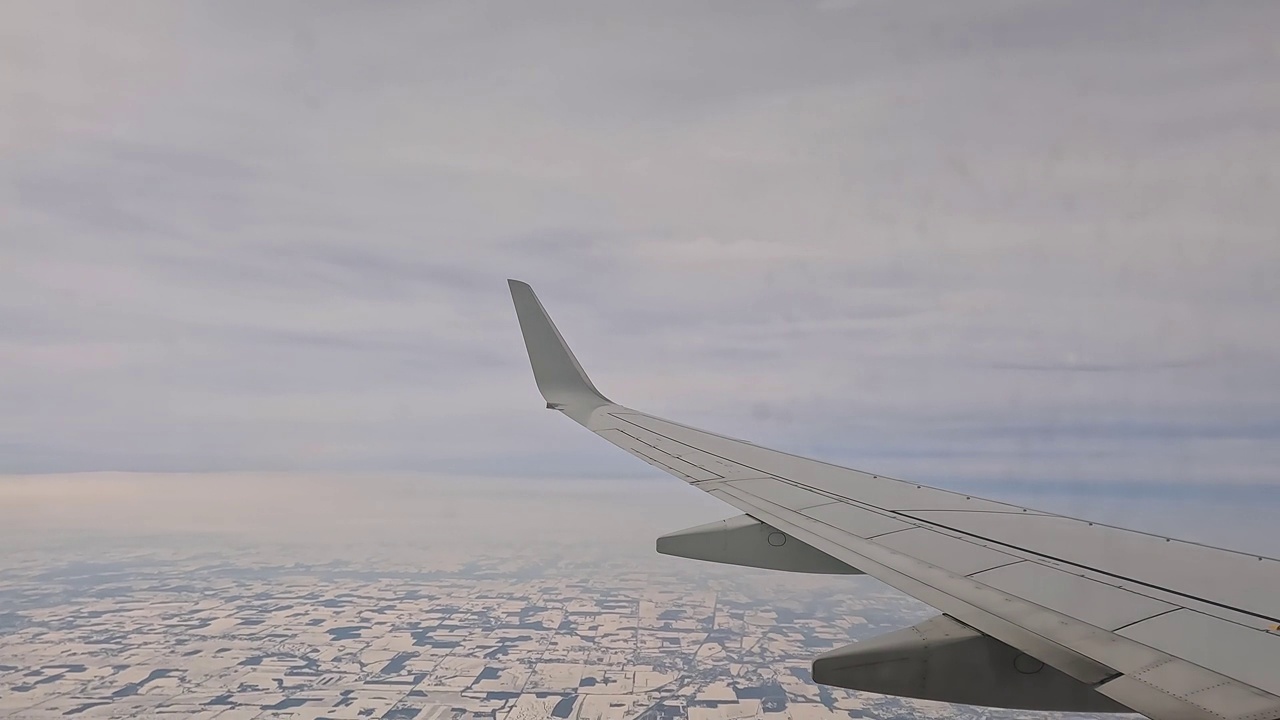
[(780, 493), (954, 554), (1218, 578), (1098, 604), (857, 521), (1243, 652)]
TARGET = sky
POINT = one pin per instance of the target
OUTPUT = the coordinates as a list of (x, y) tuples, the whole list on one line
[(1023, 247)]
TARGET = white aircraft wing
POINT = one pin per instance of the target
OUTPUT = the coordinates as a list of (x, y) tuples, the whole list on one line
[(1039, 611)]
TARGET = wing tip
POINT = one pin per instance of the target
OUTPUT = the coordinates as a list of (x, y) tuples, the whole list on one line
[(559, 376)]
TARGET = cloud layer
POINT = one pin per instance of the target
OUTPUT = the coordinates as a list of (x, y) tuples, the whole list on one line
[(998, 242)]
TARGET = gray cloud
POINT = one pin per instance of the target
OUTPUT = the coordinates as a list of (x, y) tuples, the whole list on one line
[(275, 237)]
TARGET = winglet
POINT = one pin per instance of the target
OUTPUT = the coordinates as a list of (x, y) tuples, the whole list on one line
[(559, 376)]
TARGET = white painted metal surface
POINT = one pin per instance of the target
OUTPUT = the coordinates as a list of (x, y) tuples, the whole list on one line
[(1213, 642), (858, 521), (959, 556), (1105, 606), (781, 493), (1067, 585)]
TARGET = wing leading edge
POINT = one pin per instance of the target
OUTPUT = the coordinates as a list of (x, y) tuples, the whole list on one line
[(1170, 629)]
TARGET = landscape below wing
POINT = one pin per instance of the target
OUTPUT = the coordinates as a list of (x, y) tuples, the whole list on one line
[(1040, 611)]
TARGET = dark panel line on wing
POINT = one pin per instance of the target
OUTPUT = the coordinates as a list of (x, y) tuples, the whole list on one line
[(658, 462), (887, 478), (1152, 617), (871, 537), (981, 512), (997, 567), (660, 451)]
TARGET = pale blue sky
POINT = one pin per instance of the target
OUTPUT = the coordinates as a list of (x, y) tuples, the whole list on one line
[(980, 243)]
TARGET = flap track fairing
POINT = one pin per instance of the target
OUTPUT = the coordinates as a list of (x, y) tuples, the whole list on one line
[(945, 660), (743, 540)]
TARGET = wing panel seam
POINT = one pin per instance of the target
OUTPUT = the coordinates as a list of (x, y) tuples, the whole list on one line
[(975, 574), (868, 506), (659, 450), (1149, 617), (629, 411), (773, 518)]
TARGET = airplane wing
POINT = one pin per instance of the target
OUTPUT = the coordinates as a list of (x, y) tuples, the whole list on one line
[(1039, 611)]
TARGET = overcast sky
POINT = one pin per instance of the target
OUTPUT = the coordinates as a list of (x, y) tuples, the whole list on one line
[(969, 243)]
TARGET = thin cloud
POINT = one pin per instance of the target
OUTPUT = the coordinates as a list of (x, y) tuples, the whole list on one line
[(275, 237)]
